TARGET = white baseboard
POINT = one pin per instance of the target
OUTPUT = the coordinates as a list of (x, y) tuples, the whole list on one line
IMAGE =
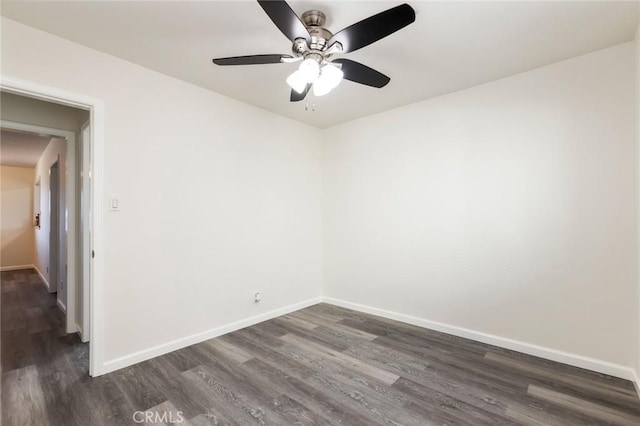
[(62, 306), (15, 268), (575, 360), (44, 280), (183, 342)]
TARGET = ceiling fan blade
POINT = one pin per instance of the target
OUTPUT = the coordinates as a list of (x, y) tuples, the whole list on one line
[(285, 19), (359, 73), (296, 97), (374, 28), (252, 60)]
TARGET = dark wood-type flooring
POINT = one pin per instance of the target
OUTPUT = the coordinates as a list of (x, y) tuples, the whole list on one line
[(323, 365)]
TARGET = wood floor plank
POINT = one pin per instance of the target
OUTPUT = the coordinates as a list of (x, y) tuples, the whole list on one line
[(8, 285), (345, 360), (248, 389), (450, 411), (209, 419), (300, 322), (600, 412), (321, 403), (223, 406), (387, 359), (165, 377), (362, 395), (445, 361), (17, 350), (335, 326), (164, 414), (621, 385), (443, 341), (23, 401), (67, 401), (580, 386), (329, 341), (297, 413), (338, 312), (138, 388), (231, 351), (319, 312), (36, 320), (299, 378), (109, 404), (14, 318), (533, 415), (183, 359), (468, 403), (228, 401)]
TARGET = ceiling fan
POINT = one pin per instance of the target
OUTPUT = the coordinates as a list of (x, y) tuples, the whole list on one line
[(316, 46)]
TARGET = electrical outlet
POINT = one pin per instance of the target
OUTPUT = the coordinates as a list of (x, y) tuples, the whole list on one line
[(257, 297)]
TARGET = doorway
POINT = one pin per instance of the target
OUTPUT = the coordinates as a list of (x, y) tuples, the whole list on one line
[(94, 198), (60, 184)]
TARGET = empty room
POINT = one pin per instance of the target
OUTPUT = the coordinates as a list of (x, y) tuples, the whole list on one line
[(320, 213)]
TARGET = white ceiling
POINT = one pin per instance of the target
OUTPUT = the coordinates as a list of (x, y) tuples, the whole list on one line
[(21, 149), (451, 46)]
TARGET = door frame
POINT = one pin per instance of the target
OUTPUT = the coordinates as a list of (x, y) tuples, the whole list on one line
[(95, 107), (71, 222), (85, 222), (55, 231)]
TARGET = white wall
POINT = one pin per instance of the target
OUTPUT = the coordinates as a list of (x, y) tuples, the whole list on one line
[(16, 228), (507, 209), (218, 199)]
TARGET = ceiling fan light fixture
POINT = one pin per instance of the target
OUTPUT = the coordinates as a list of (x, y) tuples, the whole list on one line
[(297, 81), (315, 46), (310, 70), (332, 74), (330, 77)]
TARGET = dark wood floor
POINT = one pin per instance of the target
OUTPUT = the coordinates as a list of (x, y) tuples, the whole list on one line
[(322, 365)]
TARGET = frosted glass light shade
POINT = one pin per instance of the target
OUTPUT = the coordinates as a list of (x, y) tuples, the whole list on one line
[(297, 81), (333, 75), (310, 69), (330, 77)]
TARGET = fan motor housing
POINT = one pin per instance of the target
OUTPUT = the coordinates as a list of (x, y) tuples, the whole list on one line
[(314, 20)]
